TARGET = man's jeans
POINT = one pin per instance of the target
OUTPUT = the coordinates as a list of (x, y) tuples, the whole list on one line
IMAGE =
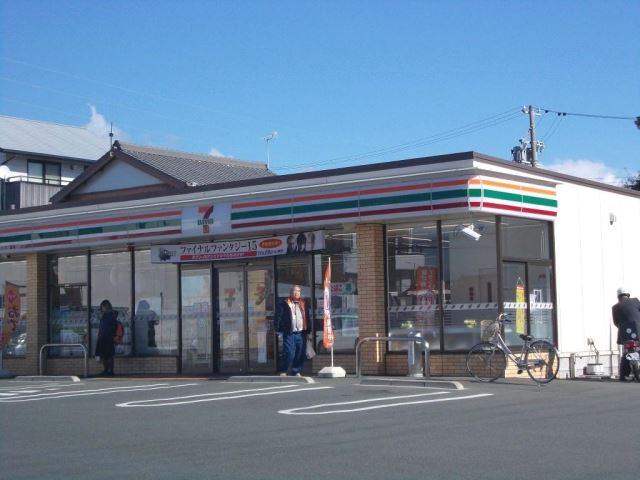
[(293, 354)]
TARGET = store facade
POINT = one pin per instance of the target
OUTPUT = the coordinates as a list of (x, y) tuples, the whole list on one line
[(195, 276)]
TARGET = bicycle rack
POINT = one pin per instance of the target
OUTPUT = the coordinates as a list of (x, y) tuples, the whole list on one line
[(84, 349), (427, 373)]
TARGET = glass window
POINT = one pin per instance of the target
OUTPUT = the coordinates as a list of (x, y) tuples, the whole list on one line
[(525, 238), (342, 249), (414, 283), (52, 173), (156, 315), (68, 303), (35, 171), (111, 280), (470, 277), (13, 308)]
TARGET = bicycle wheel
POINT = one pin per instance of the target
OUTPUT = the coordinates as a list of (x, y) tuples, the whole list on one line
[(486, 362), (542, 361)]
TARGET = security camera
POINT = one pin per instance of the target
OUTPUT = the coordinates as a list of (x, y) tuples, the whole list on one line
[(471, 233)]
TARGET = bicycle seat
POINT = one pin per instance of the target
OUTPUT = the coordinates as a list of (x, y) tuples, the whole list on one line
[(526, 338)]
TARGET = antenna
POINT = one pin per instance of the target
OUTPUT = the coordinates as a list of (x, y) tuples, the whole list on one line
[(267, 139), (111, 136)]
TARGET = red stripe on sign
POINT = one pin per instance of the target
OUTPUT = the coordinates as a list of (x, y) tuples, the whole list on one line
[(93, 222), (325, 217), (421, 208), (443, 206), (511, 208)]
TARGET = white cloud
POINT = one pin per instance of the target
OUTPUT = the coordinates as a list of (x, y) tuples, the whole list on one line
[(99, 126), (588, 169), (215, 152)]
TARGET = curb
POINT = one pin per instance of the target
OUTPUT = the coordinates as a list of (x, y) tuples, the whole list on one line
[(446, 384), (47, 378), (270, 379)]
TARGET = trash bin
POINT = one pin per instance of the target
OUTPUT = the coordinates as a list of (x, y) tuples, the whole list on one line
[(414, 357)]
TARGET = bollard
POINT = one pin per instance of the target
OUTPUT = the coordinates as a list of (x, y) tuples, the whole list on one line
[(414, 357)]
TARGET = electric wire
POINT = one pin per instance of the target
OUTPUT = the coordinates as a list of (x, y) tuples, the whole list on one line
[(423, 141), (610, 117)]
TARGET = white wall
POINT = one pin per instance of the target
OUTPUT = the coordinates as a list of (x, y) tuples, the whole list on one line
[(117, 175), (593, 258)]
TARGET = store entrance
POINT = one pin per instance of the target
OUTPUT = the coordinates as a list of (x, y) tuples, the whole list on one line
[(245, 308)]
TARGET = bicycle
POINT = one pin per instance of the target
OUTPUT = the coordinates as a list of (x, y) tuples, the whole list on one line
[(487, 361)]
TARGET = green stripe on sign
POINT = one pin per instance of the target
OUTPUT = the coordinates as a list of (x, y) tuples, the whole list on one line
[(512, 197), (549, 202), (319, 207), (58, 234), (373, 202), (269, 212), (443, 195), (15, 238)]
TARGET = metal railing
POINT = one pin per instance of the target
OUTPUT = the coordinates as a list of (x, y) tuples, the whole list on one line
[(409, 340), (84, 349)]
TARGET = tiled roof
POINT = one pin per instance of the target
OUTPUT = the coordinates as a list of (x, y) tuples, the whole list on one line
[(44, 138), (195, 169)]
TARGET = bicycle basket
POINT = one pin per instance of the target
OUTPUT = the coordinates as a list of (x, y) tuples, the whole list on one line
[(489, 330)]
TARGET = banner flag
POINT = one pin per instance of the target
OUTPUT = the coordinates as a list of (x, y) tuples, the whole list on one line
[(11, 312), (520, 312), (327, 338)]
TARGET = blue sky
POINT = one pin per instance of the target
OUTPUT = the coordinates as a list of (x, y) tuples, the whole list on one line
[(342, 82)]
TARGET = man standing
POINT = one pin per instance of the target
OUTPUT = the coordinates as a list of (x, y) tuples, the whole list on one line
[(292, 320), (626, 316)]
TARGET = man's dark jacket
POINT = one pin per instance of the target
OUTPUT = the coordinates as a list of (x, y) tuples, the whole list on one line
[(283, 316), (626, 316)]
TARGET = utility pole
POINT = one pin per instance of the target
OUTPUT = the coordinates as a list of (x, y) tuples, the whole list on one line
[(527, 151), (532, 137)]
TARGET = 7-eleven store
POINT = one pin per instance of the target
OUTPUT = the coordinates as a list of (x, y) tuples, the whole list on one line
[(195, 275)]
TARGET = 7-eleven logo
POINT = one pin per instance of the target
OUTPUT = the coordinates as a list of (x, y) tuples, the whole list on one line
[(206, 219)]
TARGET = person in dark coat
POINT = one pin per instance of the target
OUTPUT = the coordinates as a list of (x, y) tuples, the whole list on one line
[(626, 316), (105, 347), (292, 320)]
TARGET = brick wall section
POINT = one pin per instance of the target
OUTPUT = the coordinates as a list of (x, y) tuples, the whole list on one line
[(122, 366), (36, 316), (371, 293)]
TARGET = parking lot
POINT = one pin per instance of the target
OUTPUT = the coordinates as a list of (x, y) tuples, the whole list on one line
[(333, 428)]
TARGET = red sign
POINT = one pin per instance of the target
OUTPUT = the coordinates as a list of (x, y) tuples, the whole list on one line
[(427, 278)]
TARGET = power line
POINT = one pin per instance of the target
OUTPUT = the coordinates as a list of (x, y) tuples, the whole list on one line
[(610, 117), (423, 141)]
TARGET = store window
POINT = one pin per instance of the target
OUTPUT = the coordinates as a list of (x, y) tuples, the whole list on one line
[(68, 303), (470, 281), (156, 306), (342, 249), (111, 280), (527, 278), (13, 308), (413, 283), (525, 238)]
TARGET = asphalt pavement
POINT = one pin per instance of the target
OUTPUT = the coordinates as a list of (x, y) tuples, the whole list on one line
[(185, 428)]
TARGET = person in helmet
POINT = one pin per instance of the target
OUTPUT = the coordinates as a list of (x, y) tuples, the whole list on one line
[(626, 317)]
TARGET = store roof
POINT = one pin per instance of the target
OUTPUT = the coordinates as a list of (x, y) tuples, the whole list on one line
[(130, 169), (195, 169), (19, 135)]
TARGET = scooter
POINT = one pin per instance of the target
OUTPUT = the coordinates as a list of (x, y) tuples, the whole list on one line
[(632, 352)]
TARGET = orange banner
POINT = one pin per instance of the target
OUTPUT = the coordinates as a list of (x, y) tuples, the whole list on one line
[(327, 338), (11, 312)]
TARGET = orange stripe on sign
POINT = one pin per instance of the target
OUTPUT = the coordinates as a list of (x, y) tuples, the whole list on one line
[(493, 183)]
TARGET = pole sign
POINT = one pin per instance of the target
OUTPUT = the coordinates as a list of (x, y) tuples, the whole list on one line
[(294, 244), (11, 312)]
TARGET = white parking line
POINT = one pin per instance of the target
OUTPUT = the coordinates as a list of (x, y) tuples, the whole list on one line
[(214, 397), (303, 410), (100, 391)]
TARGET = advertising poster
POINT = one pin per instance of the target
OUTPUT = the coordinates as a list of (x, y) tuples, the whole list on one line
[(11, 312), (293, 244)]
